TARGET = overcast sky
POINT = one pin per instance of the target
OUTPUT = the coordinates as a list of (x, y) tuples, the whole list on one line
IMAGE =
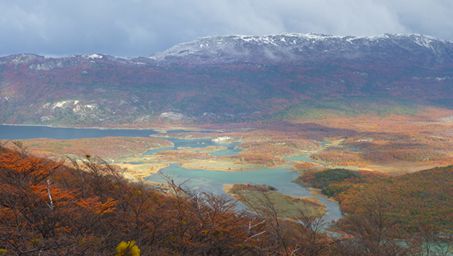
[(139, 27)]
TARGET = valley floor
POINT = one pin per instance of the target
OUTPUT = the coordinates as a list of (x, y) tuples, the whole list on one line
[(388, 145)]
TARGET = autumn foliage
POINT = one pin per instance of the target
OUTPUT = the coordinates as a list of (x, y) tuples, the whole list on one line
[(48, 208), (87, 208)]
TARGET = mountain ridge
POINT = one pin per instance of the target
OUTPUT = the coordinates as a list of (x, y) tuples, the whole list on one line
[(420, 39), (298, 42), (227, 79)]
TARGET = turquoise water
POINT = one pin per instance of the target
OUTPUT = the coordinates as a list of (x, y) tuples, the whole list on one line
[(157, 150), (232, 149), (191, 143), (12, 132), (213, 181), (182, 143), (202, 180), (305, 158)]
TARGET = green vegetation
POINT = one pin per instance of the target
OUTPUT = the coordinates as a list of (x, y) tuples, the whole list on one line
[(415, 202), (350, 107), (411, 200), (381, 211), (260, 197), (329, 180)]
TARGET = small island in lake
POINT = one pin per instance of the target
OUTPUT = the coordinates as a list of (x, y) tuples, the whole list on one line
[(260, 197)]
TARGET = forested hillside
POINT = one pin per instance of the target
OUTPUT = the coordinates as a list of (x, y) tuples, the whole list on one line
[(231, 79), (48, 208)]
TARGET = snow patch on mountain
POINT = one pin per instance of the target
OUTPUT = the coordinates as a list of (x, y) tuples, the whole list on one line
[(294, 46), (74, 105), (94, 56), (24, 58), (172, 116), (60, 104), (73, 109)]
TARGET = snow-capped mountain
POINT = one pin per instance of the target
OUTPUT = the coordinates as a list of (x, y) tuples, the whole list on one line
[(303, 47), (229, 78), (285, 48)]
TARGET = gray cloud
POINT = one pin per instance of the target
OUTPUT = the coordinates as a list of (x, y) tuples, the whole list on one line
[(140, 27)]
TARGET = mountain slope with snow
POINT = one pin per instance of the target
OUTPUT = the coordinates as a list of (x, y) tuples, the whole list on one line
[(302, 47), (228, 79)]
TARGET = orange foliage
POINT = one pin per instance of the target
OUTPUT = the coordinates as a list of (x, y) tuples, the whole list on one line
[(47, 208), (96, 206), (52, 209)]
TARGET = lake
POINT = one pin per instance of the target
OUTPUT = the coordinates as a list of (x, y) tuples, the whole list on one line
[(213, 181), (199, 180), (13, 132)]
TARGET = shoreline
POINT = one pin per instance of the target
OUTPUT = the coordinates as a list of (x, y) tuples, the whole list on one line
[(155, 129), (79, 127), (163, 129)]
